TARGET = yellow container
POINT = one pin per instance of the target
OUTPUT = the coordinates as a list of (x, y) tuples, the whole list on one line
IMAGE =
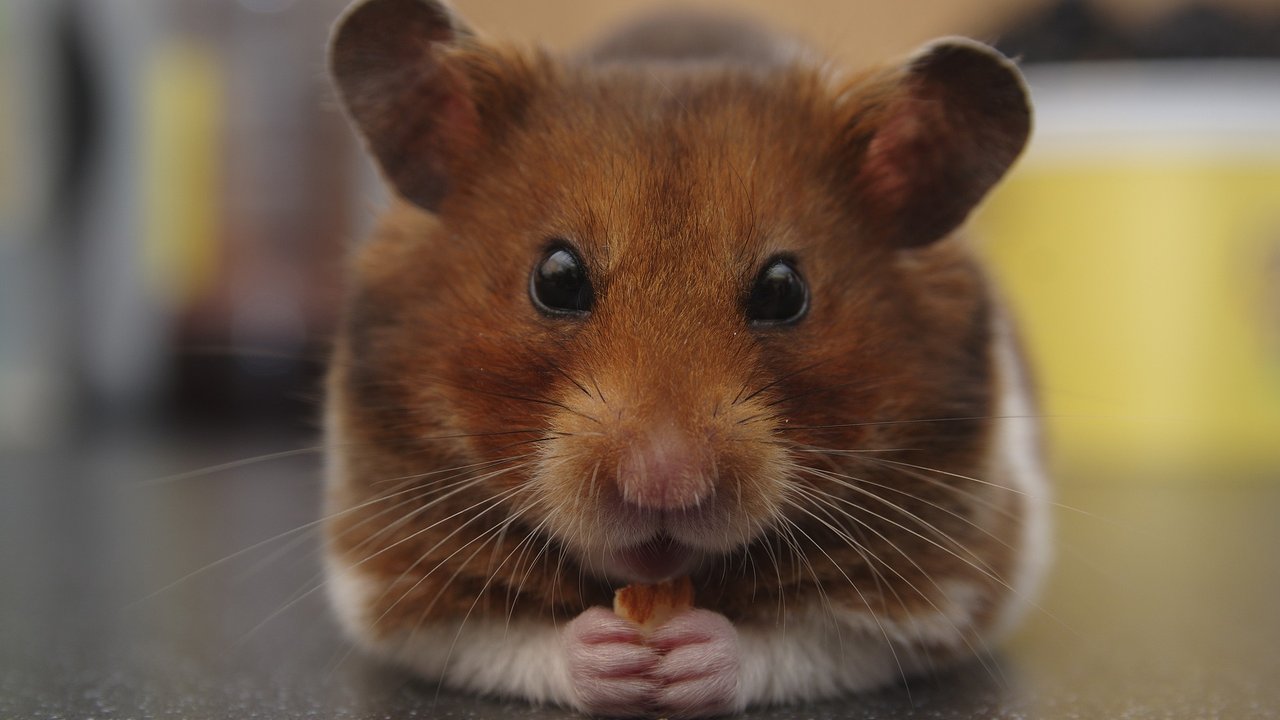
[(1139, 241)]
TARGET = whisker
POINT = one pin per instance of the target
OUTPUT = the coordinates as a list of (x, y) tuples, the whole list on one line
[(863, 491), (521, 398), (496, 531), (284, 454), (782, 378), (913, 421), (525, 544), (1016, 491), (393, 526), (484, 536), (567, 376), (492, 502), (884, 632), (462, 487), (547, 540), (318, 580), (244, 551), (982, 656), (455, 469), (863, 384), (985, 571), (596, 385), (868, 557), (941, 508), (232, 465), (467, 615), (860, 547)]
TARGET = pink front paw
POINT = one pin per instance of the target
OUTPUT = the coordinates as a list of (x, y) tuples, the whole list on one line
[(699, 666), (611, 667)]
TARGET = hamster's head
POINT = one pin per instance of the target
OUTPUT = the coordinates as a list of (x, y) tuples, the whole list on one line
[(650, 313)]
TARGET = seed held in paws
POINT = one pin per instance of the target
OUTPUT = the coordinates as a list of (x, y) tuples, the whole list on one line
[(650, 606)]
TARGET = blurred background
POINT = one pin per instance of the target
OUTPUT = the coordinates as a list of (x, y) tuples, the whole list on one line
[(178, 189)]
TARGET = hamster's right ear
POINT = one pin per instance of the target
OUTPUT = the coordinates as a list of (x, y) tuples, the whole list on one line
[(424, 94), (931, 137)]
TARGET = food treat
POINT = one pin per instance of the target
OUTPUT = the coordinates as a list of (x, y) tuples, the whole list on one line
[(649, 606)]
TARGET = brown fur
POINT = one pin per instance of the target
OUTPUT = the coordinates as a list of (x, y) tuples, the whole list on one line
[(675, 183)]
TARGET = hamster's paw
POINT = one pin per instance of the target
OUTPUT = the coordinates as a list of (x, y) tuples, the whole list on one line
[(611, 668), (698, 672)]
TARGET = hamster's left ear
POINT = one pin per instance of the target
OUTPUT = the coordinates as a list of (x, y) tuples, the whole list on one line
[(929, 139)]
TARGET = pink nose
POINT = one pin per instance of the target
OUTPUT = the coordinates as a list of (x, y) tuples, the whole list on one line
[(664, 470)]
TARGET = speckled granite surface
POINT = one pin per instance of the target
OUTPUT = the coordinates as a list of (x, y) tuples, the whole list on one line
[(1165, 602)]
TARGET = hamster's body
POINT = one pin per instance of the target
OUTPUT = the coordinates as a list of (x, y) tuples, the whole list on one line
[(850, 475)]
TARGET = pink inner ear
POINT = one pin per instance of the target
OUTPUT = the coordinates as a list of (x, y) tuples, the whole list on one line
[(459, 122), (908, 164), (886, 168), (427, 130)]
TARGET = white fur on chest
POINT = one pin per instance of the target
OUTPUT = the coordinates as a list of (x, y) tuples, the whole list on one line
[(1017, 461)]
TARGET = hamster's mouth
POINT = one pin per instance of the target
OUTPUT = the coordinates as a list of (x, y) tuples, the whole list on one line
[(652, 561)]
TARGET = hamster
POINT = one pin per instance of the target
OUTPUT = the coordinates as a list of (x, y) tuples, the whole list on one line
[(698, 308)]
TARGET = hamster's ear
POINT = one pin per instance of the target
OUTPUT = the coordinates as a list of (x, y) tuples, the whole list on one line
[(932, 137), (425, 96)]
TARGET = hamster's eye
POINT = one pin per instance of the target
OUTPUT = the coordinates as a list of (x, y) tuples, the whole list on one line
[(559, 284), (779, 296)]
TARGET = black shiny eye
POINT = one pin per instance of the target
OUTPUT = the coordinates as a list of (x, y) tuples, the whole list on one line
[(559, 284), (779, 296)]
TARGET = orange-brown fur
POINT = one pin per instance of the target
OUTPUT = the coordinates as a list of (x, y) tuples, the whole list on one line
[(675, 186)]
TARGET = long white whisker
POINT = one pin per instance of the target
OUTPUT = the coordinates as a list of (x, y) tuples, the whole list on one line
[(427, 489), (884, 633), (232, 465), (985, 571), (488, 504), (318, 585), (981, 655), (860, 547), (462, 487), (262, 543), (988, 483)]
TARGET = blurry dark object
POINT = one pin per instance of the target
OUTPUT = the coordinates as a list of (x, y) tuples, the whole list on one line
[(204, 191), (251, 337), (1076, 30), (82, 112)]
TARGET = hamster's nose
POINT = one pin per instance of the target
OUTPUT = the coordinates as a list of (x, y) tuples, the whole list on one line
[(664, 470)]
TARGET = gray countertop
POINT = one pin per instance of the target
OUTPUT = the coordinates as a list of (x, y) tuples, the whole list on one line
[(126, 598)]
